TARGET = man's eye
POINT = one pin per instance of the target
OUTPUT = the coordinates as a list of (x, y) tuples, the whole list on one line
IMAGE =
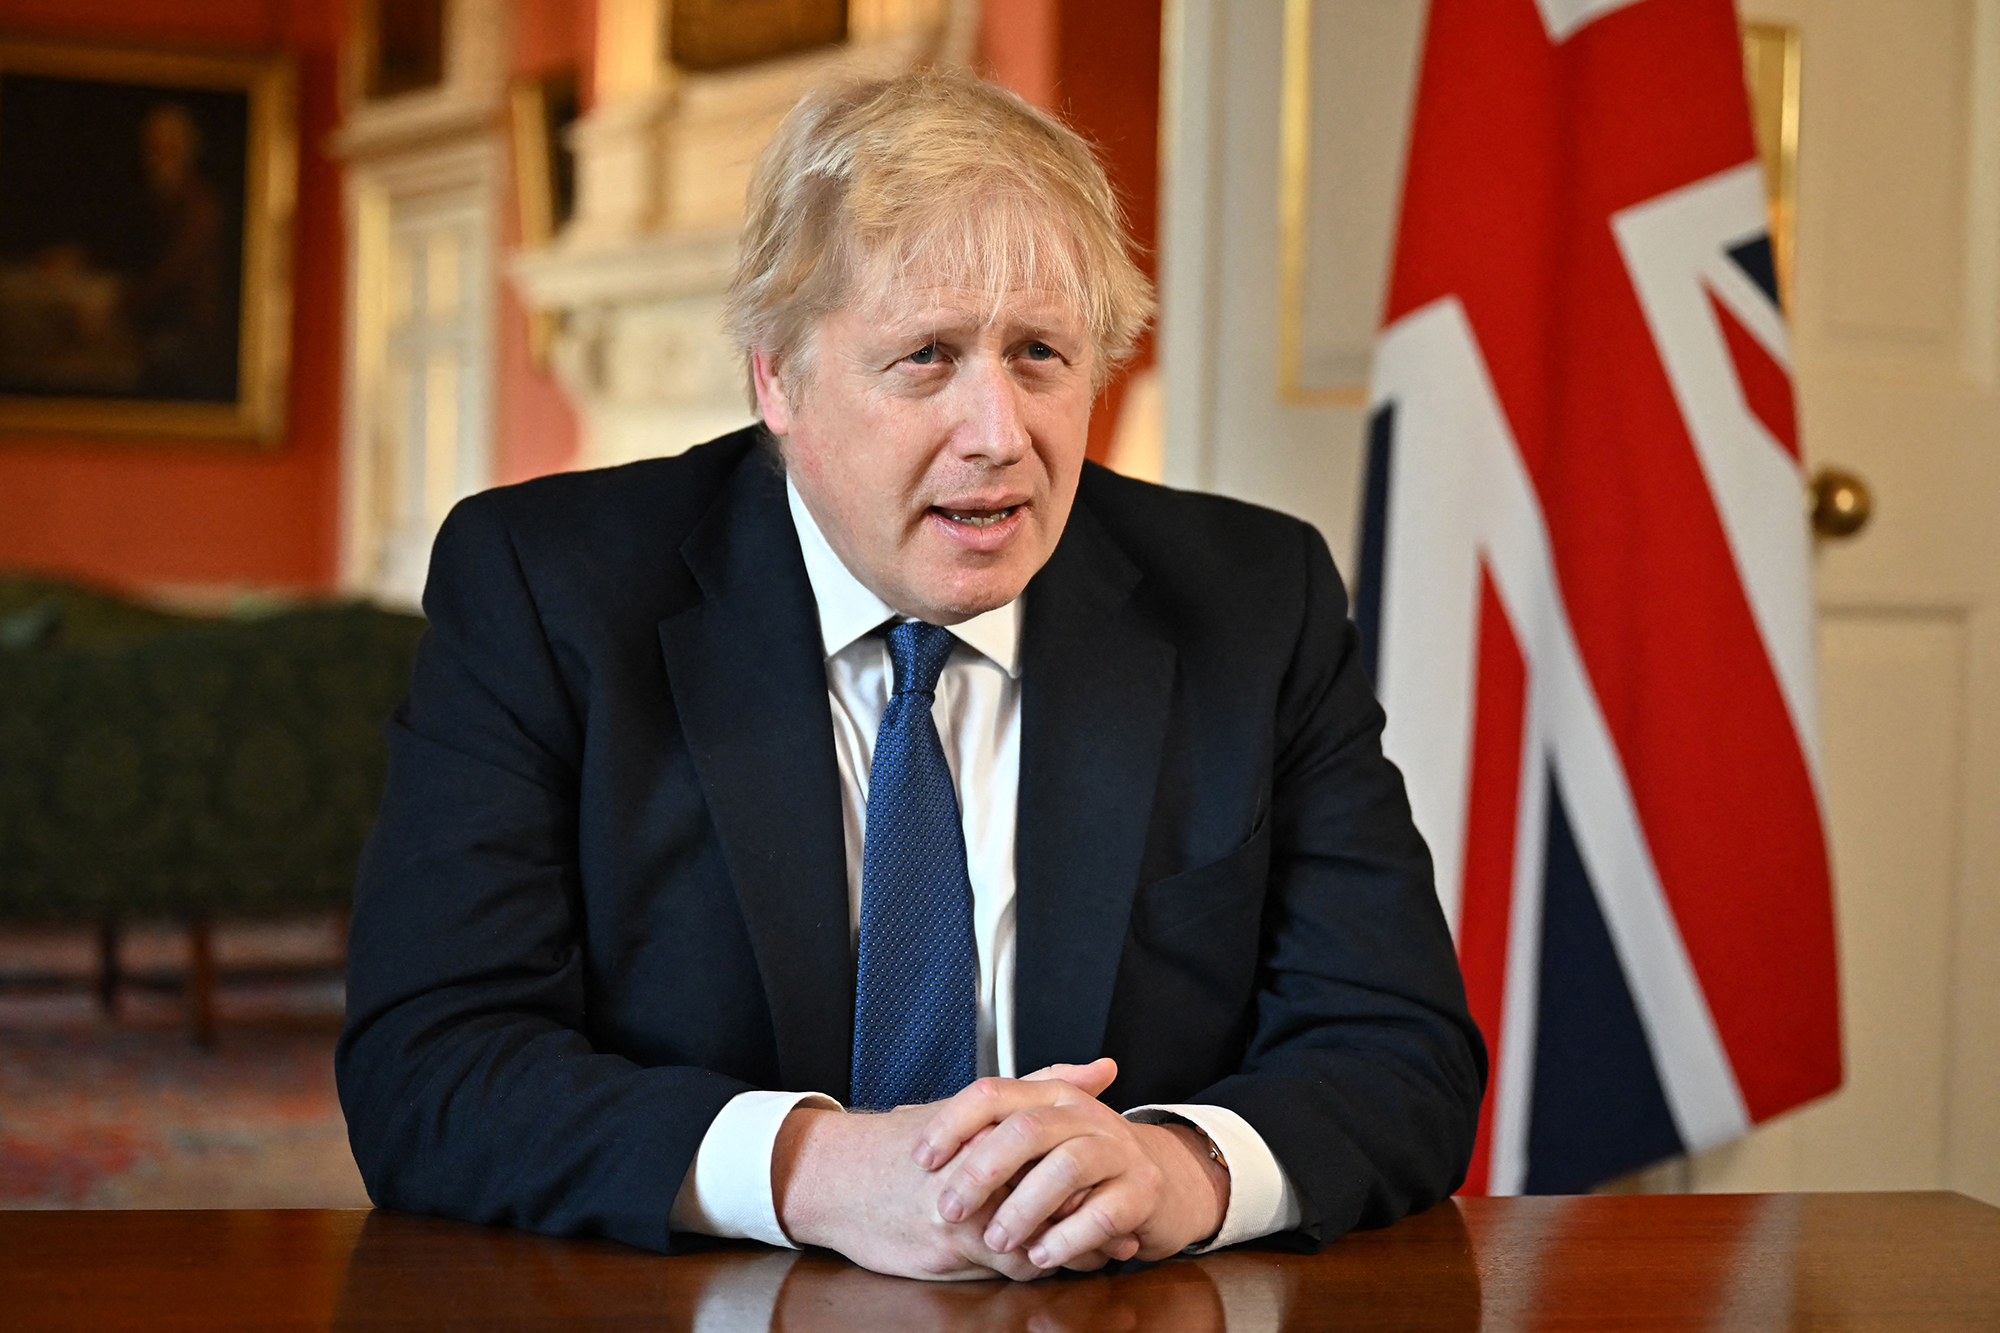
[(1040, 352), (924, 356)]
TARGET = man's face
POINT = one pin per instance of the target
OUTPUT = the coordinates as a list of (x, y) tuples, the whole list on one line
[(938, 441), (169, 149)]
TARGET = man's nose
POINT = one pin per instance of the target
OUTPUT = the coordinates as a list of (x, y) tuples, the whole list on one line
[(994, 429)]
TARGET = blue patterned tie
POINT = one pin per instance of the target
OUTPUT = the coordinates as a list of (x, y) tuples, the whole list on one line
[(916, 996)]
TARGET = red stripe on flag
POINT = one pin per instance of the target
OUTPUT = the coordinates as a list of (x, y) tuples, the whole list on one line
[(1521, 153), (1767, 387), (1499, 719)]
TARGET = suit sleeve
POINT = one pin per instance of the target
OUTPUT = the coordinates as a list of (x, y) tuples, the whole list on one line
[(469, 1085), (1364, 1071)]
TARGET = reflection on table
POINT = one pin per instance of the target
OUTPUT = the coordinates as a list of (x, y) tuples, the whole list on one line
[(1879, 1261), (422, 1272)]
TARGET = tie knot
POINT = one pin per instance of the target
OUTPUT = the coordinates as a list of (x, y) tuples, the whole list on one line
[(918, 651)]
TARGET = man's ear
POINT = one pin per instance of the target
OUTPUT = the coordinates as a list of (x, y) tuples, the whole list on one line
[(774, 404)]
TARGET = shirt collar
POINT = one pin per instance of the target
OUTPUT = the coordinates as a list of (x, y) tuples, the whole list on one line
[(848, 610)]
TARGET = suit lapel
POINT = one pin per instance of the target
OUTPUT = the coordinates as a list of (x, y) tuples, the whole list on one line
[(749, 682), (1096, 684)]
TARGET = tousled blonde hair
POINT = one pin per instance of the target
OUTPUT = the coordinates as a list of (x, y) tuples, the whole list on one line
[(935, 175)]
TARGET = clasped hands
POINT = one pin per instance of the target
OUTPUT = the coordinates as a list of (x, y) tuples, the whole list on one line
[(1010, 1177)]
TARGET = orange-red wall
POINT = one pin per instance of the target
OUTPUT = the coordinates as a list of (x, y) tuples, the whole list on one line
[(144, 512), (1097, 63), (149, 512)]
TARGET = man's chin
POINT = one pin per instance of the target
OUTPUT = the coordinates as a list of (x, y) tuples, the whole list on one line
[(955, 586), (952, 602), (957, 612)]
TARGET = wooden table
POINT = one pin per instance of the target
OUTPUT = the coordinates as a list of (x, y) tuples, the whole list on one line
[(1847, 1261)]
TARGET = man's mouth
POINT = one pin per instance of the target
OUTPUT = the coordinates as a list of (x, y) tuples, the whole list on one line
[(976, 518)]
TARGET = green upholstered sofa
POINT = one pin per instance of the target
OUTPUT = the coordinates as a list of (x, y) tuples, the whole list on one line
[(160, 765)]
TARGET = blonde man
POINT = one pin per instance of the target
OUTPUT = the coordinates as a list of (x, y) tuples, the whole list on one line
[(886, 757)]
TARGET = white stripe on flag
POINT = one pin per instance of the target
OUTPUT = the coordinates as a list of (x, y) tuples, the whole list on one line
[(1458, 486), (1563, 17), (1521, 992)]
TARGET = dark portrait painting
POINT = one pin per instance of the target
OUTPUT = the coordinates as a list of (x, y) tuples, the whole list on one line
[(125, 277), (129, 214)]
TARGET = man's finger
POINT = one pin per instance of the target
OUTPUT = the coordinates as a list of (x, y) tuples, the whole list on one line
[(957, 1120), (1069, 1205), (1093, 1078), (1108, 1215), (1122, 1248), (1014, 1267), (1075, 1166), (1088, 1263), (1022, 1139)]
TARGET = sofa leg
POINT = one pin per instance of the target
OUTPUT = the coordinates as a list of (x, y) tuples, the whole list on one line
[(201, 980), (107, 967)]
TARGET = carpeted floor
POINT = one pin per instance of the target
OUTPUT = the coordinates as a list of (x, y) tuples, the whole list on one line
[(129, 1113)]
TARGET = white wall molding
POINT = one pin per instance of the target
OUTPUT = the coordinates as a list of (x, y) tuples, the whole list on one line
[(425, 173)]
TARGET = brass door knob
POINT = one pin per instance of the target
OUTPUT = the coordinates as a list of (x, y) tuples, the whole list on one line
[(1841, 503)]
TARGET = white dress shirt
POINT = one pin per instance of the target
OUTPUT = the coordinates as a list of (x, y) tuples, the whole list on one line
[(727, 1191)]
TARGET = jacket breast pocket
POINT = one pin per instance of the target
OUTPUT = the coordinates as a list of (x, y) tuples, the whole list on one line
[(1214, 893)]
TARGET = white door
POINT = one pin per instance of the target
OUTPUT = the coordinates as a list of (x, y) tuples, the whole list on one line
[(1274, 250)]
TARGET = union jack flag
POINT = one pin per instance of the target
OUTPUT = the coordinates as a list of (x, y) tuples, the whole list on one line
[(1585, 585)]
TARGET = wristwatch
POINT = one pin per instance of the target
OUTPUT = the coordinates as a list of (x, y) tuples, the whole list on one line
[(1214, 1152)]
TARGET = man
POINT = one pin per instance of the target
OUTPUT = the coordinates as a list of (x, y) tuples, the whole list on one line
[(842, 760), (178, 301)]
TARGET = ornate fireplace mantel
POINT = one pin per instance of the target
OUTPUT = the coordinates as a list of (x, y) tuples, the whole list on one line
[(663, 161)]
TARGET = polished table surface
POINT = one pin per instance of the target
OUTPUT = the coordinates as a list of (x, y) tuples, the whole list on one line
[(1824, 1261)]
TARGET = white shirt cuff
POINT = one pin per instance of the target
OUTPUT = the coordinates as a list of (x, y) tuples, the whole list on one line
[(1262, 1200), (727, 1191)]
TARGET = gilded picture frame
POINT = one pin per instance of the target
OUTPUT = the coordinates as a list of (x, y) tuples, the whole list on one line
[(1771, 58), (146, 202), (722, 34), (541, 109)]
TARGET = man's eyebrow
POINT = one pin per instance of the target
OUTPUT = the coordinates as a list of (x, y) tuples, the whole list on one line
[(891, 327)]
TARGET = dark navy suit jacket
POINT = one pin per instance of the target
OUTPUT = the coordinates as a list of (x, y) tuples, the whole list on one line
[(607, 888)]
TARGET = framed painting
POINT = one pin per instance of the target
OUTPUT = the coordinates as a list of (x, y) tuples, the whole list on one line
[(1771, 69), (402, 45), (145, 241), (721, 34), (542, 108)]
